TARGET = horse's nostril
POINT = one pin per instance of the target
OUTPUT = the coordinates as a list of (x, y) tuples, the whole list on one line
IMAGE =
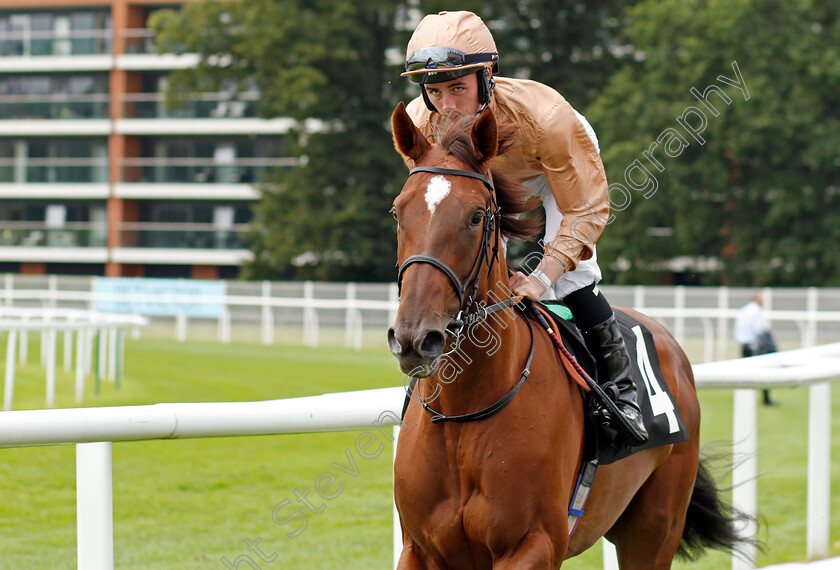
[(432, 344), (393, 344)]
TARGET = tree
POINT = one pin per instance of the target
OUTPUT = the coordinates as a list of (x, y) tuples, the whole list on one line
[(321, 62), (329, 60), (757, 189), (572, 46)]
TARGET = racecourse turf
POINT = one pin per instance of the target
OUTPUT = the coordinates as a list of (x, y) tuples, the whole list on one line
[(183, 504)]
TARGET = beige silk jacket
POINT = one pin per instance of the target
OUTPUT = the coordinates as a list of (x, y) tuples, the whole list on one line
[(554, 144)]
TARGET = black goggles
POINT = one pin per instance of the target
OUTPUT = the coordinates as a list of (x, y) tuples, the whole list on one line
[(442, 60)]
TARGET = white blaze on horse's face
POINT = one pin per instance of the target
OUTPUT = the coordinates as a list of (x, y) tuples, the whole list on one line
[(436, 191)]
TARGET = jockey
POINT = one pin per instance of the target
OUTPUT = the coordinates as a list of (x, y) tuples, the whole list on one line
[(453, 57)]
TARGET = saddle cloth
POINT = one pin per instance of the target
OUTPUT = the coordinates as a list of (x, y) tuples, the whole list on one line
[(662, 417)]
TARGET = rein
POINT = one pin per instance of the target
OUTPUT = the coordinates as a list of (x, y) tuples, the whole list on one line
[(464, 317)]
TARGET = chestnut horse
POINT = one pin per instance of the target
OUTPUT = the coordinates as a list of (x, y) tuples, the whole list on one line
[(495, 492)]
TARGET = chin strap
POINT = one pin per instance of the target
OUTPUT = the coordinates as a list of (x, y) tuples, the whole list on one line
[(485, 88)]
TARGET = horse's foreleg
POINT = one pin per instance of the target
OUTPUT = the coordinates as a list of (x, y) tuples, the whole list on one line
[(535, 552), (412, 559)]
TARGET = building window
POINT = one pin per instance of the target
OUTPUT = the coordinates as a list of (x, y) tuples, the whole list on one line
[(205, 160), (58, 33), (54, 96), (53, 223), (150, 102), (54, 161), (174, 224)]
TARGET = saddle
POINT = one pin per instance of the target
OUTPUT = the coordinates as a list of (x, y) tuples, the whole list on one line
[(662, 417)]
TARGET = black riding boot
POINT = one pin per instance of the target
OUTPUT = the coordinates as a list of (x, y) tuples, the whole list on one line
[(606, 344)]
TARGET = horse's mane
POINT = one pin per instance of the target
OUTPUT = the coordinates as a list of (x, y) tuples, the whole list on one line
[(520, 218)]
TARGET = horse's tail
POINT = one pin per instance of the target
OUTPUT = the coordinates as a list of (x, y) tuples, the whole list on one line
[(711, 522)]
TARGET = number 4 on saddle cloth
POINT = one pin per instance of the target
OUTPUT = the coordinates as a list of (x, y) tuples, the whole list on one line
[(662, 418)]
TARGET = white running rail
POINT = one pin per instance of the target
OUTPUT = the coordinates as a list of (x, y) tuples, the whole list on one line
[(90, 329), (93, 430)]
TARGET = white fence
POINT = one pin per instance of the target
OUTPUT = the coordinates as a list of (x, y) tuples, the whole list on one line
[(354, 314), (98, 338), (93, 430)]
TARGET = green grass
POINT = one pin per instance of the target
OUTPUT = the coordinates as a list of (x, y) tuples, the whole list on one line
[(186, 504)]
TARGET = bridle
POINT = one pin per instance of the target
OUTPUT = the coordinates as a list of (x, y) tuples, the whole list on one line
[(491, 231), (468, 286)]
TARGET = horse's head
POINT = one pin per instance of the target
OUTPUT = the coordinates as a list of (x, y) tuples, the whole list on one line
[(448, 228)]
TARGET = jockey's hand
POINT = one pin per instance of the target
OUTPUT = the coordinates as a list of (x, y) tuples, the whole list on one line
[(522, 285)]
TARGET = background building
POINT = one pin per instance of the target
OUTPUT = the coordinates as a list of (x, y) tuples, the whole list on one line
[(97, 175)]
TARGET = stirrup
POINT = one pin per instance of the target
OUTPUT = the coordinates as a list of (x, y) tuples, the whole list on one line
[(600, 410), (610, 414), (611, 390), (628, 429)]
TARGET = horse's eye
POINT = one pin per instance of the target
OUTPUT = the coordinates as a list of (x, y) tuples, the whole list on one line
[(476, 218)]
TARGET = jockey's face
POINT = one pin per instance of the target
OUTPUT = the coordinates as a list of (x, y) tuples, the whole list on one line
[(459, 96)]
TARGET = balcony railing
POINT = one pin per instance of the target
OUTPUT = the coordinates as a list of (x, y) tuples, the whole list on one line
[(139, 40), (205, 106), (39, 234), (53, 170), (54, 106), (200, 170), (50, 43), (181, 236)]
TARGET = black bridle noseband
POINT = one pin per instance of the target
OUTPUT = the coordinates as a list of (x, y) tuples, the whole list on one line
[(491, 231)]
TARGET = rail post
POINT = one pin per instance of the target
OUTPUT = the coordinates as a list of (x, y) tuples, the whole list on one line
[(819, 470), (94, 506), (745, 487), (9, 387)]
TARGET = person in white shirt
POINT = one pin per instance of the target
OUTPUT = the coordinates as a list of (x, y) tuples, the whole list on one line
[(749, 328)]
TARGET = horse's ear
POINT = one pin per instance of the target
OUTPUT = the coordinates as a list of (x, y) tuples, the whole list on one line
[(485, 135), (408, 139)]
